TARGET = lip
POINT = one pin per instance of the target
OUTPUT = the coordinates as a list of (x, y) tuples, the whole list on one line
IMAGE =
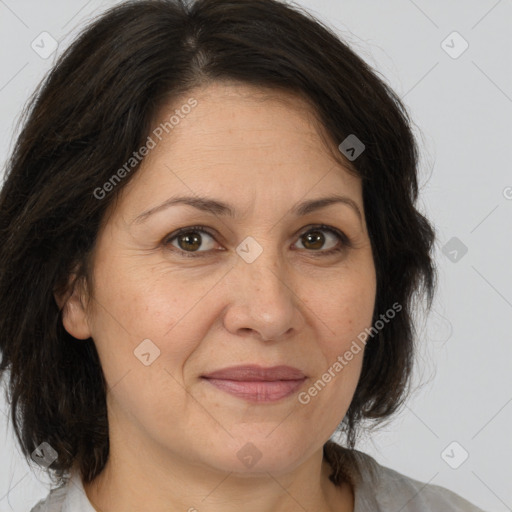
[(256, 383), (256, 373)]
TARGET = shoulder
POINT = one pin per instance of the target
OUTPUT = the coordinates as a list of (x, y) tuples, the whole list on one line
[(377, 487), (395, 491), (68, 497), (53, 502)]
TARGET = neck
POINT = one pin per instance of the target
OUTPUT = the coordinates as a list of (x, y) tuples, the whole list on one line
[(130, 482)]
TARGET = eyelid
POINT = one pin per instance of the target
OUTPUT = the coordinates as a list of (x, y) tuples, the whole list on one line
[(345, 241)]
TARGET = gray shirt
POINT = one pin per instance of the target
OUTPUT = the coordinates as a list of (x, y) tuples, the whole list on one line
[(379, 489)]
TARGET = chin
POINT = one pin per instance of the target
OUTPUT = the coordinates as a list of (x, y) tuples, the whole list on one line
[(259, 454)]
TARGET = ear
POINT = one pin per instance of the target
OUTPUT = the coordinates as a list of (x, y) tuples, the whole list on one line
[(72, 303)]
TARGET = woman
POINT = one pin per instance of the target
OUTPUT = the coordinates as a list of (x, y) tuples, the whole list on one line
[(210, 255)]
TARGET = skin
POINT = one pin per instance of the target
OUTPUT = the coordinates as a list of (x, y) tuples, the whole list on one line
[(174, 437)]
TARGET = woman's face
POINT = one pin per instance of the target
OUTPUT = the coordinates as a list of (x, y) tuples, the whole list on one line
[(256, 288)]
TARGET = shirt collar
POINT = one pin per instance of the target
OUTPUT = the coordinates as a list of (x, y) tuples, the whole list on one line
[(76, 500)]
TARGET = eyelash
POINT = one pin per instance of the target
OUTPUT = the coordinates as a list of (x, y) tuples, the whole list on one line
[(345, 241)]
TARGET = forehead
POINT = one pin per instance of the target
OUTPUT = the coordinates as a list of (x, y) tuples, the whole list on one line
[(241, 141), (233, 119)]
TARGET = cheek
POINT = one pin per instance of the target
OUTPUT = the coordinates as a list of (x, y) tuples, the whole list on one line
[(144, 338), (137, 304), (342, 311), (344, 307), (343, 316)]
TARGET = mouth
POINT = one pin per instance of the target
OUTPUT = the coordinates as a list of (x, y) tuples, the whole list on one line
[(257, 384)]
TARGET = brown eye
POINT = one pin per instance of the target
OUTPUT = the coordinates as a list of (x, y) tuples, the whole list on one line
[(315, 240), (188, 240)]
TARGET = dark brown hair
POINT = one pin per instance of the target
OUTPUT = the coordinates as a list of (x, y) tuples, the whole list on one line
[(95, 108)]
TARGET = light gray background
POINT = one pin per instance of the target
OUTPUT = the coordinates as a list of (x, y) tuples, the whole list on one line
[(463, 109)]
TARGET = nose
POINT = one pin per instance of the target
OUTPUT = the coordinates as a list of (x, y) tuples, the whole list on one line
[(262, 299)]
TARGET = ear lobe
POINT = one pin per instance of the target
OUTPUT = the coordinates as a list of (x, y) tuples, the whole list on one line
[(74, 313)]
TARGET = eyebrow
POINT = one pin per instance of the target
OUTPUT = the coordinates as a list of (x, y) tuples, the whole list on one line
[(216, 207)]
